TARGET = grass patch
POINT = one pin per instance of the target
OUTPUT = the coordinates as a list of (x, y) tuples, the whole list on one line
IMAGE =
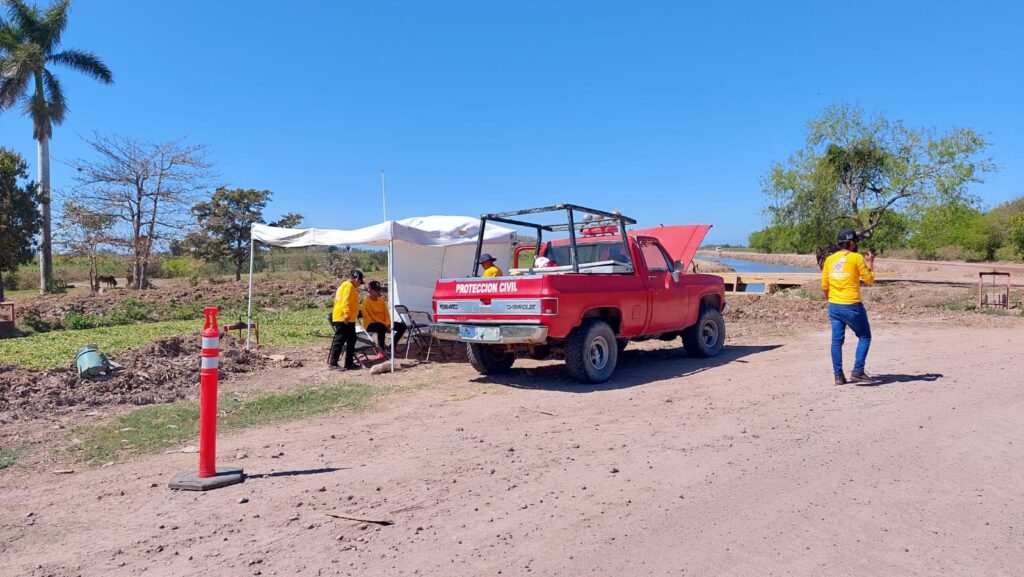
[(58, 348), (159, 427), (10, 456)]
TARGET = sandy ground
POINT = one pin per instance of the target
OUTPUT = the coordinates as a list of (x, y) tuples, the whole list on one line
[(752, 463)]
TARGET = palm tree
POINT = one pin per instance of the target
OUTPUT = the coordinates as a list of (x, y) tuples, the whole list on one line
[(29, 41)]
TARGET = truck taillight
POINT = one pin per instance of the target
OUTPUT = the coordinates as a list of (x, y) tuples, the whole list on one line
[(549, 306), (433, 305)]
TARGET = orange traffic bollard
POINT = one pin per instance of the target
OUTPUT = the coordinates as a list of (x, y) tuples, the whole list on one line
[(209, 374), (208, 476)]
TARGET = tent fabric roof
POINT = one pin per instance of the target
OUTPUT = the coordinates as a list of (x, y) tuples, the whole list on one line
[(420, 230)]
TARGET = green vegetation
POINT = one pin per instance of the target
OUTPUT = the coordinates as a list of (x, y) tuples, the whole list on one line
[(899, 187), (155, 428), (29, 50), (19, 218), (10, 456), (58, 348), (225, 222)]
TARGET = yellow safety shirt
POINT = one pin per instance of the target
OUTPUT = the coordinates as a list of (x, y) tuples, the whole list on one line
[(376, 311), (346, 303), (492, 271), (841, 277)]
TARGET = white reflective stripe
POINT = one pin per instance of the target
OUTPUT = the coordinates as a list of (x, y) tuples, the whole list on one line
[(211, 362), (211, 342)]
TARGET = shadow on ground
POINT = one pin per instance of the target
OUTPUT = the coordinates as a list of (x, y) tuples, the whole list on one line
[(880, 380), (636, 367), (294, 473)]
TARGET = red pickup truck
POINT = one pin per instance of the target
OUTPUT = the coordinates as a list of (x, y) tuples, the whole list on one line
[(583, 297)]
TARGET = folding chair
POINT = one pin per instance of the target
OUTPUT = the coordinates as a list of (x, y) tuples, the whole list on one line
[(419, 333), (365, 345)]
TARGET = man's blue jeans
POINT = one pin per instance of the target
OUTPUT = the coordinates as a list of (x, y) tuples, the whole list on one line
[(856, 317)]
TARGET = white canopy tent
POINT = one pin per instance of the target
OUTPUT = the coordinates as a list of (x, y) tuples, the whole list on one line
[(420, 251)]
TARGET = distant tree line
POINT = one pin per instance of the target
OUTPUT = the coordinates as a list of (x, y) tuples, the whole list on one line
[(898, 187)]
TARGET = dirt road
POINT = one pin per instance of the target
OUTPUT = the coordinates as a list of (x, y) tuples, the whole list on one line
[(749, 464)]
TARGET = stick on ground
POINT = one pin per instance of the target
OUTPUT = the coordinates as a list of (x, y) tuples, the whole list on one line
[(384, 522)]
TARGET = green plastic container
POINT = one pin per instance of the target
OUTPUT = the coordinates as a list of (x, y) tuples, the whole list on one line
[(91, 362)]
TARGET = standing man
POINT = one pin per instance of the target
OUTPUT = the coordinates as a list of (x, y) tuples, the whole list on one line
[(343, 319), (840, 280), (490, 269)]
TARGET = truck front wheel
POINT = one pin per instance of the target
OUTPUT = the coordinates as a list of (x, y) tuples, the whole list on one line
[(591, 352), (489, 359), (706, 338)]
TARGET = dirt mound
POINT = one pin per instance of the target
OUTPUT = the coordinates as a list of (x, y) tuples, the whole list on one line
[(754, 314), (710, 266), (160, 372)]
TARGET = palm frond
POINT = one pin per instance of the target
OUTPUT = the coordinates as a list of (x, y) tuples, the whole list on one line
[(24, 17), (56, 106), (11, 88), (84, 62), (35, 107), (9, 37), (53, 24)]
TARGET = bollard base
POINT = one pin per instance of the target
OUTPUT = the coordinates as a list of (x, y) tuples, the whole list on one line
[(190, 481)]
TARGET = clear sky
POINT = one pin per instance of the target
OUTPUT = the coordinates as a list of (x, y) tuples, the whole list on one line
[(669, 111)]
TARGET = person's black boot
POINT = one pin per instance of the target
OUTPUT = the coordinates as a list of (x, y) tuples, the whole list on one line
[(840, 379)]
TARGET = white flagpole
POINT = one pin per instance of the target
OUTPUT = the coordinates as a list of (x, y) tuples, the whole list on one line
[(391, 269), (248, 322)]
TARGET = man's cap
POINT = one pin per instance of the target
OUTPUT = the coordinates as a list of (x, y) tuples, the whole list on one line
[(486, 257), (374, 285), (356, 274), (847, 235)]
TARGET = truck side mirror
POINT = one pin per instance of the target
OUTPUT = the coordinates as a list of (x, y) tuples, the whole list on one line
[(677, 269)]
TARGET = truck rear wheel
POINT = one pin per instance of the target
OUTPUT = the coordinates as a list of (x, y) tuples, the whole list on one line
[(489, 359), (591, 352), (707, 337)]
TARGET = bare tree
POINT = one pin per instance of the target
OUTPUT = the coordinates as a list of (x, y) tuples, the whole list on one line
[(85, 232), (148, 188)]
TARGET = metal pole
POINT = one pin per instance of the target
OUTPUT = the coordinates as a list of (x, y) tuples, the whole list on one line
[(248, 320), (391, 298), (572, 244), (479, 246), (391, 270)]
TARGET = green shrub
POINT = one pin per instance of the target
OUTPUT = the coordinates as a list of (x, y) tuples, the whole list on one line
[(11, 281), (183, 267), (37, 324), (135, 310), (77, 321)]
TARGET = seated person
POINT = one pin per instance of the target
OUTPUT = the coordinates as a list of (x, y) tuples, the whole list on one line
[(377, 318), (490, 269)]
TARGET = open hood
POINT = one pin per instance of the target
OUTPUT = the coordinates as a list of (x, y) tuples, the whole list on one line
[(681, 241)]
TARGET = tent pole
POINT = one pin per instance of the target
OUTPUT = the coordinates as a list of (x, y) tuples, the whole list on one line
[(391, 279), (391, 298), (248, 321)]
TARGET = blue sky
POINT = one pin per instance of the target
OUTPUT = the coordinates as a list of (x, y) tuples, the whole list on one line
[(668, 111)]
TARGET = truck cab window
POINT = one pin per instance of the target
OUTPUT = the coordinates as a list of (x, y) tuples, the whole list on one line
[(654, 257)]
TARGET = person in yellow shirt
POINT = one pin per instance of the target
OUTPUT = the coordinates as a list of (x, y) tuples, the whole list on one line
[(841, 277), (377, 318), (343, 320), (490, 269)]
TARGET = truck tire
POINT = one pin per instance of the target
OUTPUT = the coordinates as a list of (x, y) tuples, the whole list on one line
[(591, 352), (622, 344), (707, 337), (489, 359)]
